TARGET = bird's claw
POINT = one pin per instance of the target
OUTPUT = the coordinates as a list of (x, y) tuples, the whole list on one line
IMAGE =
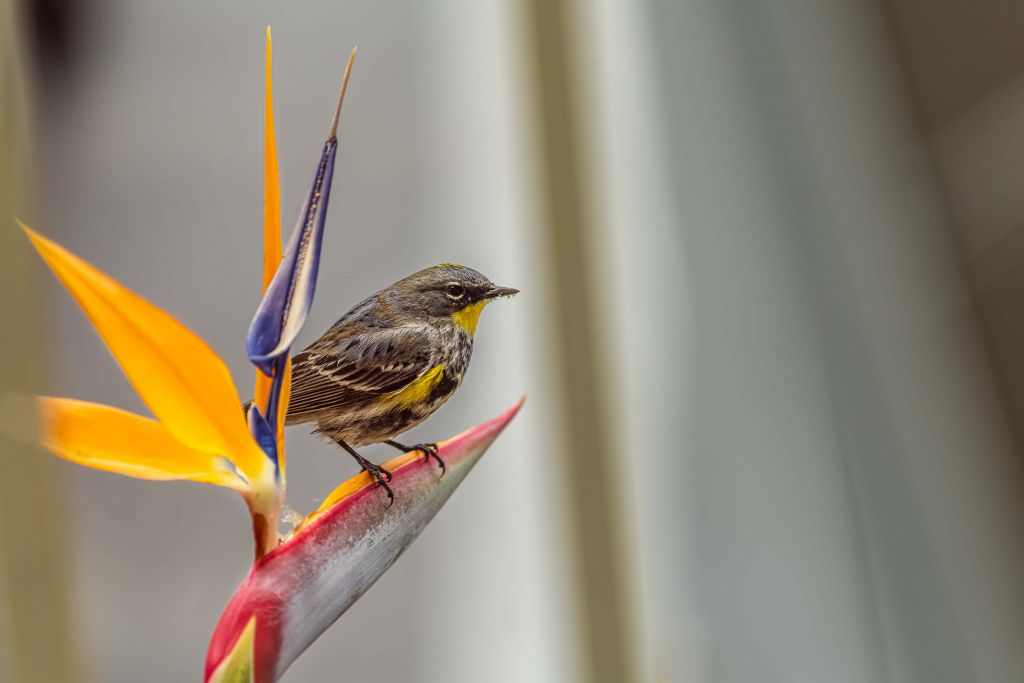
[(430, 452), (382, 477)]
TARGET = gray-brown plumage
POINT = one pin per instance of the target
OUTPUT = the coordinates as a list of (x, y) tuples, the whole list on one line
[(391, 361)]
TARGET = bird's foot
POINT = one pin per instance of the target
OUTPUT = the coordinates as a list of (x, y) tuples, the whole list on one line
[(382, 477), (429, 451)]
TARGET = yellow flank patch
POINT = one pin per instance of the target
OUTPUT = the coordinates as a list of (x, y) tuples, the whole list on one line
[(417, 391), (468, 316)]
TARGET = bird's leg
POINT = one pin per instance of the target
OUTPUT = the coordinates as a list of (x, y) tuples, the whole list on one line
[(376, 471), (429, 451)]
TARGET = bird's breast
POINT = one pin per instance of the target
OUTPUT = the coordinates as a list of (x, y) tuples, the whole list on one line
[(455, 352)]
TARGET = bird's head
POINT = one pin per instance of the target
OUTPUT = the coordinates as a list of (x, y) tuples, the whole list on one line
[(448, 292)]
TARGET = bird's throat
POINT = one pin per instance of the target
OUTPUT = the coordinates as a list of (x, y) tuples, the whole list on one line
[(468, 316)]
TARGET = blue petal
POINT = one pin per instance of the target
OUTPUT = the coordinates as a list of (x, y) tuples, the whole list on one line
[(290, 295), (261, 432)]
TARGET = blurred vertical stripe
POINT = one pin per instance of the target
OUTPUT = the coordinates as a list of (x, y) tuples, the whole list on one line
[(582, 382), (35, 629)]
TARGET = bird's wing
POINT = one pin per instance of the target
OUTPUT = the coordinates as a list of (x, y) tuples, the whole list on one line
[(356, 369)]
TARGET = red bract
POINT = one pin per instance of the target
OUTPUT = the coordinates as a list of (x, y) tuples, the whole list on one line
[(300, 588)]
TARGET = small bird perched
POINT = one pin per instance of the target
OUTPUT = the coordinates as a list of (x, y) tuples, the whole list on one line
[(391, 361)]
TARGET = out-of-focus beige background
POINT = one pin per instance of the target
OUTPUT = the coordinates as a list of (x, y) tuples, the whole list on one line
[(771, 267)]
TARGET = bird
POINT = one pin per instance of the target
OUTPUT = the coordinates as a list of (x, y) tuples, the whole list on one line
[(391, 361)]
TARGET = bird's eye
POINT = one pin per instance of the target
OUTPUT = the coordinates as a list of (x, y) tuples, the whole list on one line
[(454, 290)]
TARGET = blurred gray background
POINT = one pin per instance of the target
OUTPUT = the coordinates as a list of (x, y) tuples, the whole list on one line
[(770, 260)]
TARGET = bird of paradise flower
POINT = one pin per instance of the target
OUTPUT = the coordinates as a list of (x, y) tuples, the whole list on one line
[(301, 582)]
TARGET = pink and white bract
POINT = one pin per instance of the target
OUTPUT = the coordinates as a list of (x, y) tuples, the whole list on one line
[(297, 590)]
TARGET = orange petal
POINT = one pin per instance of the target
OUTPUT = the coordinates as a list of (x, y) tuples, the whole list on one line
[(115, 440), (184, 383), (271, 244), (271, 182)]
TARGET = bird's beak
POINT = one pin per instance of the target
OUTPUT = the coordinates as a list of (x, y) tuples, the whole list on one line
[(495, 292)]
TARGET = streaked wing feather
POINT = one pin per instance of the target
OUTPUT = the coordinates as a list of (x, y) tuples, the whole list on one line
[(357, 369)]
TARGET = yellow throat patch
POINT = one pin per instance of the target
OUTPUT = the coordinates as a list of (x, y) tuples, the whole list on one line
[(417, 391), (468, 316)]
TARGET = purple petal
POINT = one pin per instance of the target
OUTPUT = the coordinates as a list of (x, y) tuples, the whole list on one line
[(261, 432), (290, 295)]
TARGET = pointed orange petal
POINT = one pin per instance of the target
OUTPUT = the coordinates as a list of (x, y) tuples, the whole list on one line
[(111, 439), (184, 383), (271, 182), (271, 242)]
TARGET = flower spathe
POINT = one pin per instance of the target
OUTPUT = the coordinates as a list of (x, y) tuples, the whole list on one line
[(299, 585)]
